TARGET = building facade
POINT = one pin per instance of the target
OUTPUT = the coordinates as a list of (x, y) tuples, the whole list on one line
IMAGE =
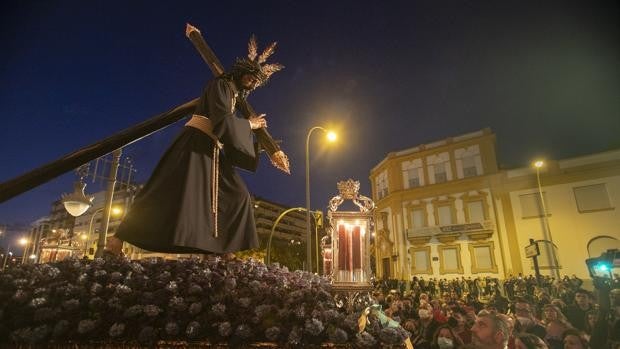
[(579, 219), (444, 209), (60, 235)]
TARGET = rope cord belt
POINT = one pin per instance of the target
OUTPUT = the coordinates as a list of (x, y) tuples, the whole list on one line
[(205, 125)]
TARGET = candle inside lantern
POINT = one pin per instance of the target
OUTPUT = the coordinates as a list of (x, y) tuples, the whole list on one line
[(327, 261), (357, 248), (350, 252)]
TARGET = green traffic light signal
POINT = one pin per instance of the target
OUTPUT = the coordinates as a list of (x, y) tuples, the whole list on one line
[(604, 267)]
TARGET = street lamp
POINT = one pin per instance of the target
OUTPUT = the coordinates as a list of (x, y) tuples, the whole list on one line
[(77, 202), (331, 137), (550, 249)]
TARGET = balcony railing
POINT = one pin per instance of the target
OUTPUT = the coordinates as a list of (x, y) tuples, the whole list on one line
[(486, 225)]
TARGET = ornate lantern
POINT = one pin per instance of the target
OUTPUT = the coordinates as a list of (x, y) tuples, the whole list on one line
[(349, 248)]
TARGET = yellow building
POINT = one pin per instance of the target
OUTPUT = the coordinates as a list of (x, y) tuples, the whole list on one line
[(444, 209), (580, 196)]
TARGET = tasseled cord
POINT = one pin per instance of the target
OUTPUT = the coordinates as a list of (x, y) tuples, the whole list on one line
[(204, 124), (215, 184)]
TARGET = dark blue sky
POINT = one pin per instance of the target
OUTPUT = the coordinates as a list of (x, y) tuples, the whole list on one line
[(543, 75)]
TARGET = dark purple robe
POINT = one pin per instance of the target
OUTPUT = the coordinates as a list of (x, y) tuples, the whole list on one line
[(172, 213)]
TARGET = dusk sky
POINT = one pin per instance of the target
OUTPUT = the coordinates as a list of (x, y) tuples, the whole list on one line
[(543, 75)]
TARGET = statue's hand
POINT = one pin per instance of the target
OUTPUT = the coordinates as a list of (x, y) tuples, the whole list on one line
[(257, 121), (280, 161)]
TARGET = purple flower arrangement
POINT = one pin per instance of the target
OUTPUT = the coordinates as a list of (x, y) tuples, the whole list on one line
[(118, 301)]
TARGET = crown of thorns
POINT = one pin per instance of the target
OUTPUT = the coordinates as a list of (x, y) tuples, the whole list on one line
[(255, 63)]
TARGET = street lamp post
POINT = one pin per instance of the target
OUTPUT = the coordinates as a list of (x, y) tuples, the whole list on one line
[(115, 211), (332, 137), (24, 242), (318, 216), (550, 249), (273, 228)]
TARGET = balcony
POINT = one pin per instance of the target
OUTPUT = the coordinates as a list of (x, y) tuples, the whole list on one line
[(447, 233)]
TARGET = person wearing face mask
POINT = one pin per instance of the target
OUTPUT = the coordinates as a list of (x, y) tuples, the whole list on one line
[(446, 338), (426, 327)]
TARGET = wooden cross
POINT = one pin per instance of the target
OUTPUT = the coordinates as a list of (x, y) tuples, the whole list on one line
[(276, 155)]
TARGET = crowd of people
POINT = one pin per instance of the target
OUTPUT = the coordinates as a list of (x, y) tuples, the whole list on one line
[(516, 313)]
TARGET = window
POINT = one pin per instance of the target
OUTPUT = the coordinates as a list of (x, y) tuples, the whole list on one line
[(592, 198), (482, 258), (413, 177), (440, 172), (382, 185), (412, 173), (450, 259), (482, 255), (445, 215), (421, 260), (476, 211), (418, 218), (469, 167), (530, 205)]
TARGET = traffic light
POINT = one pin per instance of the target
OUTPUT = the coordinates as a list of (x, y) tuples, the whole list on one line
[(318, 218), (602, 267)]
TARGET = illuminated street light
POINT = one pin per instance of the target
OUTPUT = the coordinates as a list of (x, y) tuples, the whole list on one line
[(331, 136), (77, 202)]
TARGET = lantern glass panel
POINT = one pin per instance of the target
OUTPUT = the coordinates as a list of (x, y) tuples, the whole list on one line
[(352, 237)]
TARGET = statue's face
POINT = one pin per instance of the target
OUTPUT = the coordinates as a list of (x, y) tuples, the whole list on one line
[(249, 82)]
